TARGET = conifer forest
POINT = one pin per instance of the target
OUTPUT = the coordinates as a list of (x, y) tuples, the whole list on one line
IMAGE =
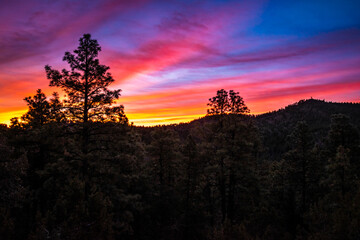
[(75, 167)]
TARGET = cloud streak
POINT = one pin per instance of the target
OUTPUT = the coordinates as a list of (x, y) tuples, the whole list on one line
[(170, 57)]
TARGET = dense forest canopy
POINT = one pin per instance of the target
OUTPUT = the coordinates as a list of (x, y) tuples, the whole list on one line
[(76, 169)]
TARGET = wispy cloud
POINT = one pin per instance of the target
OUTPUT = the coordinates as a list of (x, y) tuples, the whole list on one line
[(169, 57)]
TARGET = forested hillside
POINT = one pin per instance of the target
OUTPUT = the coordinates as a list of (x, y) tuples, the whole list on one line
[(276, 126), (76, 169), (286, 174)]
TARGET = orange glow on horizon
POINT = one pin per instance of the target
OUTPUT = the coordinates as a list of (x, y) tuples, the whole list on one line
[(154, 117)]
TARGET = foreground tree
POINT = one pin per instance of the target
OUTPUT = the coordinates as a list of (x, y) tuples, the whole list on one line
[(88, 101), (86, 84)]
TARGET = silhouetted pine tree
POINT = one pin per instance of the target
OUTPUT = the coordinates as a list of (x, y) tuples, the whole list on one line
[(39, 109), (86, 84)]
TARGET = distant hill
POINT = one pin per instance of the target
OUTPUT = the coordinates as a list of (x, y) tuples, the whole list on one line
[(274, 127), (316, 113)]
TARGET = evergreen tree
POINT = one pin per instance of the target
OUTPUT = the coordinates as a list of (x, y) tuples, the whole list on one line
[(86, 84), (219, 104), (163, 150), (39, 109), (340, 177), (13, 191), (225, 103), (88, 97), (300, 158), (236, 103), (56, 109), (342, 133)]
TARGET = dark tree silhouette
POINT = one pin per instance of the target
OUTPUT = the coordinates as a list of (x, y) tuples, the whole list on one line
[(219, 104), (342, 133), (88, 97), (300, 158), (236, 103), (41, 111), (227, 103), (163, 150), (56, 109), (38, 113), (86, 83)]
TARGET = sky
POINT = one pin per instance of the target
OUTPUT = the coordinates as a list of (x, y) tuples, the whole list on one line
[(169, 57)]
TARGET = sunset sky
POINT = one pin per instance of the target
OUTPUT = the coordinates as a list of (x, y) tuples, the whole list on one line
[(169, 57)]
